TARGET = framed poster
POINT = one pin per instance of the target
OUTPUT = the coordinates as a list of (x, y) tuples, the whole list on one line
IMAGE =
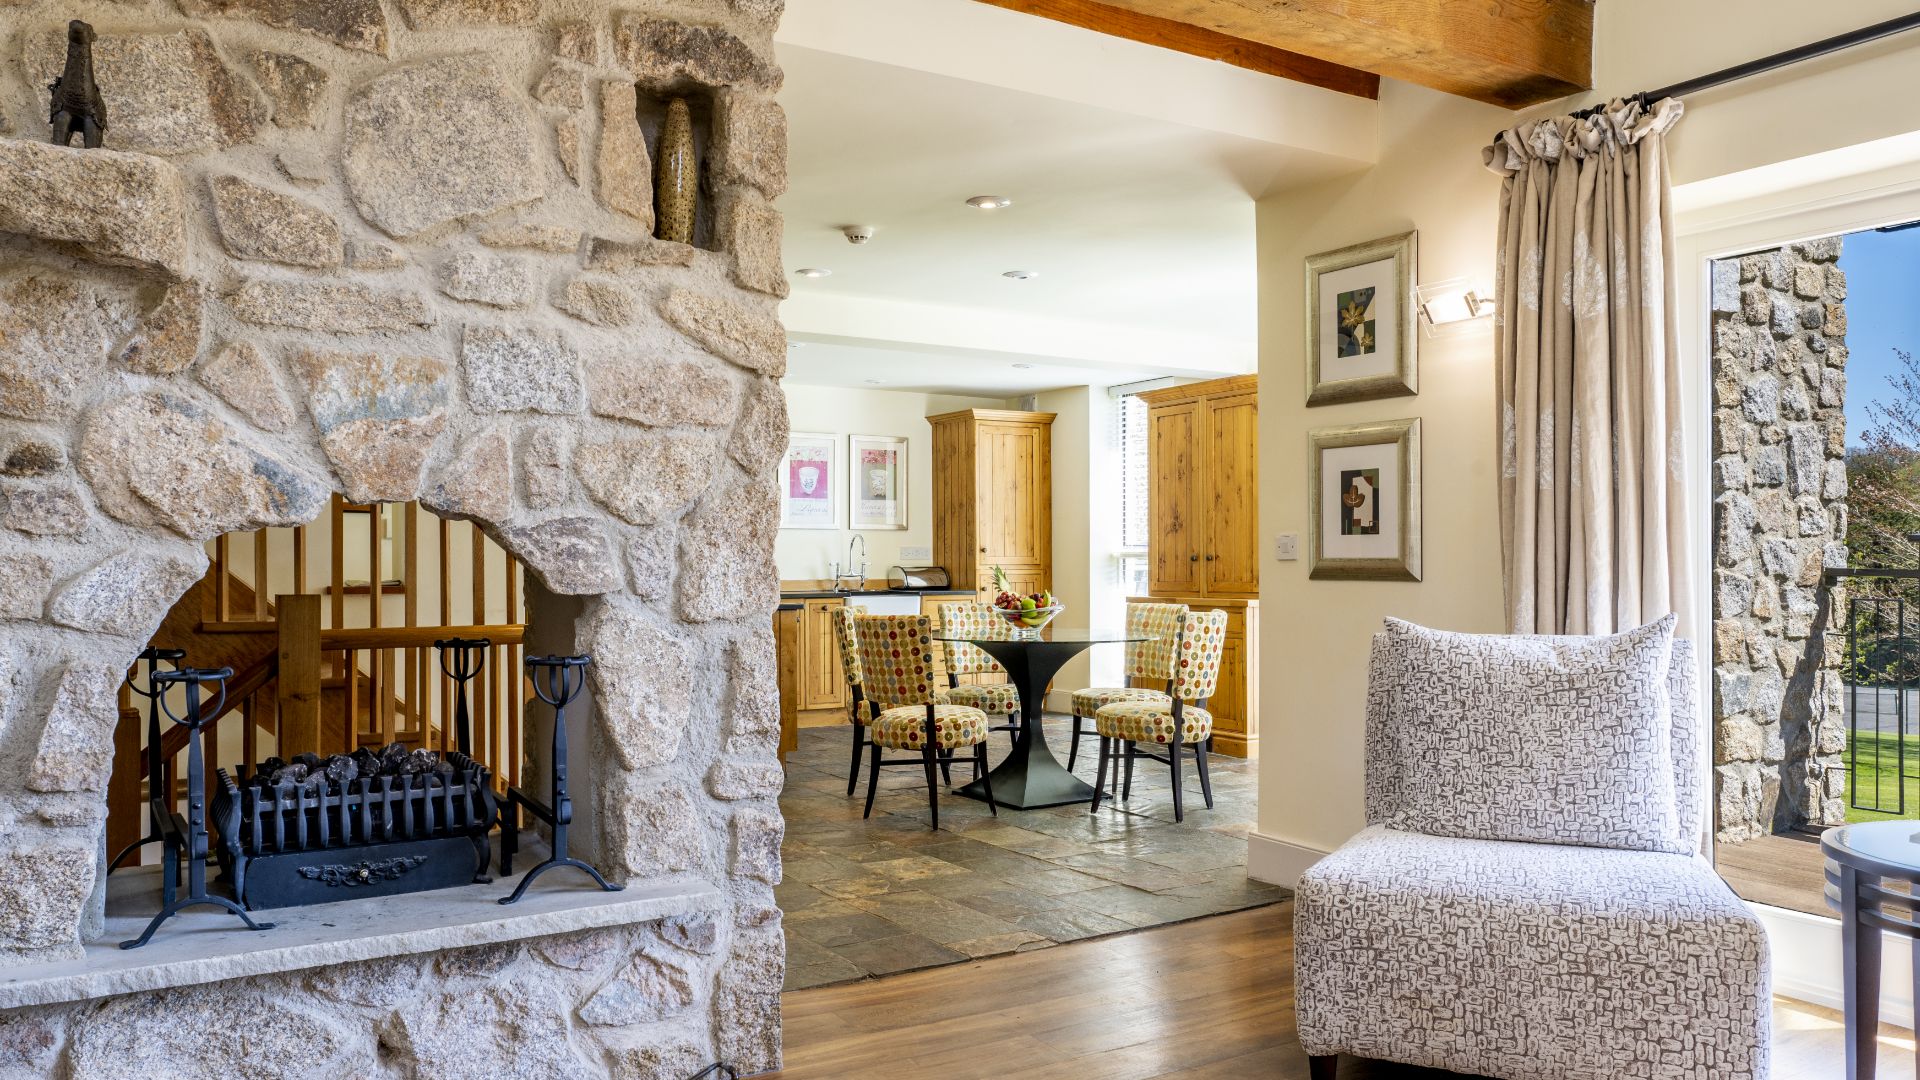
[(1361, 343), (1366, 501), (809, 482), (877, 495)]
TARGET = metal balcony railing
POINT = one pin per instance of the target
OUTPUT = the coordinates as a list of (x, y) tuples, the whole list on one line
[(1880, 676)]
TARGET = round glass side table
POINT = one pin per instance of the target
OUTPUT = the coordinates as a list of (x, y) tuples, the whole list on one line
[(1863, 861)]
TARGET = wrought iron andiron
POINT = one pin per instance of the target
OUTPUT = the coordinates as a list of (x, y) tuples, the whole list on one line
[(557, 680), (462, 659), (191, 680), (76, 108), (162, 823)]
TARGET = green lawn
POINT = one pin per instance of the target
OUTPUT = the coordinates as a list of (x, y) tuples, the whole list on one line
[(1875, 769)]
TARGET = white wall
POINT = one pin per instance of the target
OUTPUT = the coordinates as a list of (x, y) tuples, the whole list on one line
[(1086, 526), (805, 554), (1430, 178)]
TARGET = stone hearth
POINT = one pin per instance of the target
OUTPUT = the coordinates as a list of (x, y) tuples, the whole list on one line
[(404, 250)]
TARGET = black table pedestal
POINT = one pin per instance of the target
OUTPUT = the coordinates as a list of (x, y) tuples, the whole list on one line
[(1031, 777)]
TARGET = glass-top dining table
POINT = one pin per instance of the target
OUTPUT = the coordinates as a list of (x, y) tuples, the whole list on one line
[(1031, 777)]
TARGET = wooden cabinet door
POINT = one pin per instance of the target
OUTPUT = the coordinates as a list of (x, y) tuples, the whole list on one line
[(1176, 536), (822, 683), (1230, 496), (1013, 495)]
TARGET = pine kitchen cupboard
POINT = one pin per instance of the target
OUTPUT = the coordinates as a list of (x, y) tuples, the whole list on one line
[(822, 683), (993, 497), (1203, 543)]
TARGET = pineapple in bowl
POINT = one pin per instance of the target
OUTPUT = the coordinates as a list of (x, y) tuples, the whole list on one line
[(1026, 614)]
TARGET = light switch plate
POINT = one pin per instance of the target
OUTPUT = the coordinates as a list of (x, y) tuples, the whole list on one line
[(912, 554), (1286, 547)]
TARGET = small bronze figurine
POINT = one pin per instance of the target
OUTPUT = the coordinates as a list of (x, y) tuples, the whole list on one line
[(76, 103)]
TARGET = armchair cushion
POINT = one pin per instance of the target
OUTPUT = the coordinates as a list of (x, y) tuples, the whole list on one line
[(1529, 961), (1553, 740)]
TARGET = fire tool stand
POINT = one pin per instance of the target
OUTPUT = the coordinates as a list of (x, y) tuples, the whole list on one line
[(462, 659), (557, 680), (191, 680), (162, 823)]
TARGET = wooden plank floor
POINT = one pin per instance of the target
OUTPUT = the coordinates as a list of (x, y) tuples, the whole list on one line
[(1211, 998), (1784, 871)]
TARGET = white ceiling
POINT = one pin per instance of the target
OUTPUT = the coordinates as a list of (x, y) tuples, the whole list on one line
[(1141, 228), (866, 366)]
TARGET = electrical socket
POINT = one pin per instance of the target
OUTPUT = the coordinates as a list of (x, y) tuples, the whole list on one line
[(912, 554)]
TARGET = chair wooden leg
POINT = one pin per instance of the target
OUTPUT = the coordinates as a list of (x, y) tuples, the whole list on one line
[(1322, 1066), (933, 788), (873, 780), (946, 767), (986, 777), (1173, 756), (859, 745), (1100, 776), (1013, 729), (1073, 748), (1206, 782), (1126, 781)]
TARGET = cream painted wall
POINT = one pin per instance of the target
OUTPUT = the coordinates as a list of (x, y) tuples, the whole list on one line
[(1313, 664), (1086, 521), (805, 554)]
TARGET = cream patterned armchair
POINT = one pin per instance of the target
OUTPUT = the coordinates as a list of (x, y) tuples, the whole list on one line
[(1614, 953)]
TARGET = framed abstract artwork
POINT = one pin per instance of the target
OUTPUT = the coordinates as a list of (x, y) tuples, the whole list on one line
[(877, 493), (1365, 514), (1361, 343), (810, 482)]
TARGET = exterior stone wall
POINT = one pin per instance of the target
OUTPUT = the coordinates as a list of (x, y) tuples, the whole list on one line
[(1780, 519), (403, 249)]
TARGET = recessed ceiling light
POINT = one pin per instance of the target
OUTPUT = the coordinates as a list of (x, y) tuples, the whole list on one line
[(796, 344), (876, 382), (1022, 367), (1021, 275), (989, 202), (813, 271)]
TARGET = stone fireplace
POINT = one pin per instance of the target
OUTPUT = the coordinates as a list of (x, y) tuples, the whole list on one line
[(401, 249)]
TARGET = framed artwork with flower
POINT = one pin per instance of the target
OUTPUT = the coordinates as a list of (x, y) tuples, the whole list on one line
[(810, 482), (1361, 343), (1366, 501), (877, 495)]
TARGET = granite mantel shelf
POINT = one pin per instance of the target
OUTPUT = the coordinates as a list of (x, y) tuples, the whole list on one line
[(205, 945)]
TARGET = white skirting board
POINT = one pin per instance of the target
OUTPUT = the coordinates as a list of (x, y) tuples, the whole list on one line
[(1806, 948)]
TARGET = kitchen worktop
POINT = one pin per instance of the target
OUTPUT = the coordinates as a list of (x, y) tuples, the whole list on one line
[(825, 594)]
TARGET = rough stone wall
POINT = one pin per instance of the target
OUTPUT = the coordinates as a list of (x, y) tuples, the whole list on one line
[(1780, 519), (401, 249)]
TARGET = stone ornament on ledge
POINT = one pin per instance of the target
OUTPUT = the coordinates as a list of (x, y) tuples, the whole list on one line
[(76, 108)]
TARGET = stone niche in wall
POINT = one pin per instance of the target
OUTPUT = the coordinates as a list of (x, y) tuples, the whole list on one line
[(1780, 520), (402, 250)]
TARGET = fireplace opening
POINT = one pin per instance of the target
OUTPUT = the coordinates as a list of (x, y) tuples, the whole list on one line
[(373, 722)]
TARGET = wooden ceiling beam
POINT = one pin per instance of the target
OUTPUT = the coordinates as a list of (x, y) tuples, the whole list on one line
[(1199, 41), (1513, 53)]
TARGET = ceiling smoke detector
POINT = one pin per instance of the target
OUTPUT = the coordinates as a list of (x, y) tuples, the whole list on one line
[(989, 202), (858, 234)]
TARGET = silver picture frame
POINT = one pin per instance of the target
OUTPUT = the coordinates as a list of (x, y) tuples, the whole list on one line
[(1395, 260), (1397, 443)]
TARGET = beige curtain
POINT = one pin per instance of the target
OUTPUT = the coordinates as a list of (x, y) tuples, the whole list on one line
[(1593, 511)]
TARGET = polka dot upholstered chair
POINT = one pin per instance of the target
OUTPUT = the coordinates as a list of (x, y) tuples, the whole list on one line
[(896, 668), (1149, 667), (858, 707), (1173, 725), (999, 699)]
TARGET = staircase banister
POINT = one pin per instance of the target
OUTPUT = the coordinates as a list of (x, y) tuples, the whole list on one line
[(417, 637)]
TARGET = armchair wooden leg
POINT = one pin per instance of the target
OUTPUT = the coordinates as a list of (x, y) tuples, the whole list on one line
[(1323, 1066), (859, 744), (986, 777), (946, 766), (1206, 783), (1173, 756), (1073, 747), (873, 780), (1126, 780), (1013, 729), (933, 787), (1100, 776)]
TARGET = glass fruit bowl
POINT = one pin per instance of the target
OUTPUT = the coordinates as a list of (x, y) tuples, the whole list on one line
[(1028, 622)]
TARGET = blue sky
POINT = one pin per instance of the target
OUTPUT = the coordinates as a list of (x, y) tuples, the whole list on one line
[(1883, 313)]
